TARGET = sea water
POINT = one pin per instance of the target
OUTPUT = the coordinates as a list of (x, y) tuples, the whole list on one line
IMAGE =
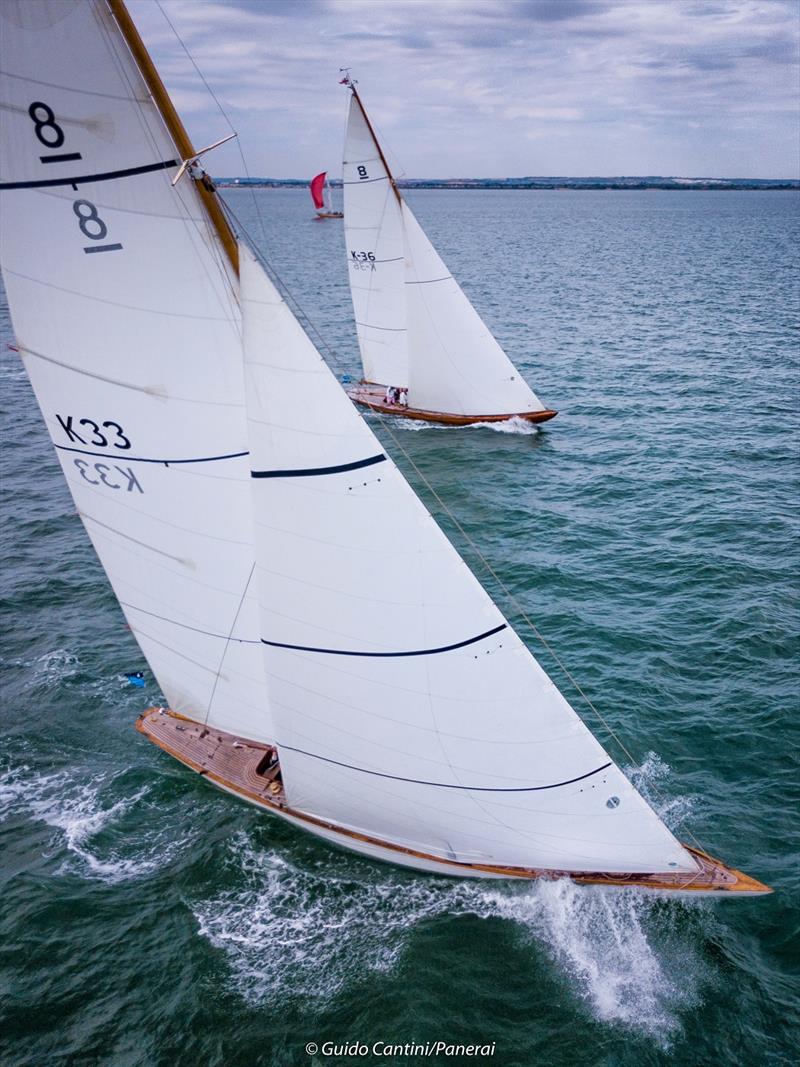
[(650, 533)]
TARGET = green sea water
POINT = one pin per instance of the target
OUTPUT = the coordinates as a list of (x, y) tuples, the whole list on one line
[(651, 533)]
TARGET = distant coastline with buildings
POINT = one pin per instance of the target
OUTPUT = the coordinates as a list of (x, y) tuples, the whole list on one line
[(691, 184)]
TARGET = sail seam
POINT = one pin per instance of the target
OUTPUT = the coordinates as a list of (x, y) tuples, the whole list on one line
[(386, 329), (388, 655), (186, 626), (308, 472), (105, 176), (450, 785)]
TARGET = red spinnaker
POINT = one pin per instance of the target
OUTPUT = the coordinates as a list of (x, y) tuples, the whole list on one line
[(317, 185)]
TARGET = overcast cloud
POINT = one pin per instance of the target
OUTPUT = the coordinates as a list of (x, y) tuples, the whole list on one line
[(492, 88)]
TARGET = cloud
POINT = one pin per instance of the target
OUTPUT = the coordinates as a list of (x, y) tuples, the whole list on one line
[(491, 87)]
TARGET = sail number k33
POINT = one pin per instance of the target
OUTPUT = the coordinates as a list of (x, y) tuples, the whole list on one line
[(106, 475), (108, 434), (50, 134)]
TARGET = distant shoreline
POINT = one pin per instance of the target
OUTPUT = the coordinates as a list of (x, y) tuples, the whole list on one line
[(560, 183)]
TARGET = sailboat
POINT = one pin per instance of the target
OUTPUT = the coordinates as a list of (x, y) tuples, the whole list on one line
[(321, 196), (324, 652), (425, 351)]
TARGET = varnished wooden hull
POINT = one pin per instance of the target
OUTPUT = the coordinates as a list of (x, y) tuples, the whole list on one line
[(372, 396), (232, 763)]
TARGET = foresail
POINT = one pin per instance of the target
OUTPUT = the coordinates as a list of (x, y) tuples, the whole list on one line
[(405, 706), (373, 233), (126, 314), (455, 363)]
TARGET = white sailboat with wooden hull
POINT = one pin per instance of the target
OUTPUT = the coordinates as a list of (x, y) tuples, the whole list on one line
[(247, 517), (425, 351)]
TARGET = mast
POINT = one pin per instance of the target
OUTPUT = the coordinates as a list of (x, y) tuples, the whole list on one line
[(351, 86), (176, 128)]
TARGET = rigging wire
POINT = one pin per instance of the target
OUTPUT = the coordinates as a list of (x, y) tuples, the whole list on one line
[(224, 114)]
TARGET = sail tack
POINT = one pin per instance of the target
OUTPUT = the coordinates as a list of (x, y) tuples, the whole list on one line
[(125, 310), (404, 704)]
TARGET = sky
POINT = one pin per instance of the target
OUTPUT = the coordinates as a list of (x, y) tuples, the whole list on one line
[(490, 88)]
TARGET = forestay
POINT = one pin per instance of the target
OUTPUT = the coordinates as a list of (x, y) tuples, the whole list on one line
[(126, 315), (373, 233), (405, 707)]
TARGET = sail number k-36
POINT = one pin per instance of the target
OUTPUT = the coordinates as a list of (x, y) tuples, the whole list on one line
[(50, 134), (362, 260)]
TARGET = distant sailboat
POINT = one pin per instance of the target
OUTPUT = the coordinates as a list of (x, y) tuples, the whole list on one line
[(325, 652), (321, 196), (426, 353)]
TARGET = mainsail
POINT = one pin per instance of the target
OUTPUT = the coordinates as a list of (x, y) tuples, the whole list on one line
[(416, 328), (125, 309), (373, 229)]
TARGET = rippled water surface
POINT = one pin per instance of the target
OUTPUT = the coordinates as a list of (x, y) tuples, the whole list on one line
[(650, 532)]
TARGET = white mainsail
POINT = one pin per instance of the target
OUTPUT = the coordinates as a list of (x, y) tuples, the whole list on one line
[(450, 360), (126, 314), (375, 256), (405, 707)]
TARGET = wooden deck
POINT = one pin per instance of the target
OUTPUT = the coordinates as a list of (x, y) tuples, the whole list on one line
[(245, 767), (373, 396), (251, 770)]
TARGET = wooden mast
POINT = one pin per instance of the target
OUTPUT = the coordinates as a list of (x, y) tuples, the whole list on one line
[(354, 91), (175, 126)]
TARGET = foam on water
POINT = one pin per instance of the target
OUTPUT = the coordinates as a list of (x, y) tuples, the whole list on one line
[(89, 823), (650, 777), (308, 931), (55, 667), (515, 426)]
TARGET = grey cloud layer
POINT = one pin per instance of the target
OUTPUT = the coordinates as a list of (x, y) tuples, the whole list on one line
[(494, 87)]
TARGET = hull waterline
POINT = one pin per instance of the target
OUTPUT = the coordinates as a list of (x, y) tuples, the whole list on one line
[(250, 771)]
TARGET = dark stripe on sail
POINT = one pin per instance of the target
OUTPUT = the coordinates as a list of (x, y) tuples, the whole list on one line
[(387, 655), (84, 179), (309, 472), (449, 785), (142, 459)]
